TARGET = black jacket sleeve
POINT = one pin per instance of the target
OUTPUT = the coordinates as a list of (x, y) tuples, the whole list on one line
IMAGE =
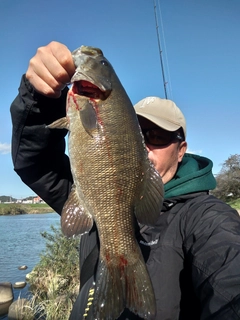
[(212, 244), (38, 153)]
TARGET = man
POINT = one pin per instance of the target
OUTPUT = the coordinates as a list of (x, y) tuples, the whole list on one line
[(193, 252)]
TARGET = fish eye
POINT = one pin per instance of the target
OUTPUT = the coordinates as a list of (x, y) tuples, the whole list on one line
[(104, 62)]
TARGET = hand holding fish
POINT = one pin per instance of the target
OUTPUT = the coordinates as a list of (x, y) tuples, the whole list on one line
[(51, 69)]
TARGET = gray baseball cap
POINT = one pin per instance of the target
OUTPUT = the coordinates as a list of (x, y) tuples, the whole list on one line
[(163, 112)]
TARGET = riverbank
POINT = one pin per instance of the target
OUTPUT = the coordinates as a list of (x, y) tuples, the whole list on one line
[(37, 208), (22, 244), (20, 208), (53, 282)]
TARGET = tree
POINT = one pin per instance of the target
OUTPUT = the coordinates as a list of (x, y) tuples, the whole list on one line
[(228, 180)]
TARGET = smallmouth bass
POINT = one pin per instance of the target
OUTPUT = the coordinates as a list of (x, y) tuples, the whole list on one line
[(114, 184)]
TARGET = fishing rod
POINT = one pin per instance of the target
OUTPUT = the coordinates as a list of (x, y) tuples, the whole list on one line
[(160, 50)]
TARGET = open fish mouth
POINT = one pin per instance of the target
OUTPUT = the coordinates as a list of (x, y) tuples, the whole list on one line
[(89, 90)]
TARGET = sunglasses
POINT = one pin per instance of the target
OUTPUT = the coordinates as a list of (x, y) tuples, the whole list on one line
[(160, 137)]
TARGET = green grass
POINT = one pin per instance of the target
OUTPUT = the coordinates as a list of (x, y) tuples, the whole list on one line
[(24, 208), (235, 204)]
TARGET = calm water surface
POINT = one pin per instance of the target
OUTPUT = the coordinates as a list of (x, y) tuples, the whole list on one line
[(20, 244)]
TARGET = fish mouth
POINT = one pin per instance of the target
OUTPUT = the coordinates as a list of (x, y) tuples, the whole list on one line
[(89, 90)]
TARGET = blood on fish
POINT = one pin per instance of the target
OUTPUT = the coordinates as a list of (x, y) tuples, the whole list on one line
[(72, 96), (123, 261), (108, 258), (122, 264), (96, 108)]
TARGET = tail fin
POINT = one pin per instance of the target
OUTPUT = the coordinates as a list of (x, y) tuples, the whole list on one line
[(120, 286)]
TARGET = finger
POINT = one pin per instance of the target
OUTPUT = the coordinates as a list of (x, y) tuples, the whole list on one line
[(51, 69), (42, 87), (58, 67), (42, 79), (63, 56)]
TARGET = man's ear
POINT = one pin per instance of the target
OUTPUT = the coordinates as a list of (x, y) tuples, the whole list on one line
[(182, 150)]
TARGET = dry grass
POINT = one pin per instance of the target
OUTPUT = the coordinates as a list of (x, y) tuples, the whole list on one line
[(54, 282)]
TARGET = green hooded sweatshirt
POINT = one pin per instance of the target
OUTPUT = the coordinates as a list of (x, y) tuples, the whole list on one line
[(194, 174)]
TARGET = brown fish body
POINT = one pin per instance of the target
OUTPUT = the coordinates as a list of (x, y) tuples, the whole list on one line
[(113, 182), (108, 168)]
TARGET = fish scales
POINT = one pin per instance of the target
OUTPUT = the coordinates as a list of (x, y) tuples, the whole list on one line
[(116, 158), (106, 196), (114, 183)]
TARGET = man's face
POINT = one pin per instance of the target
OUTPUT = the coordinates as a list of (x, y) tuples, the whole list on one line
[(164, 158)]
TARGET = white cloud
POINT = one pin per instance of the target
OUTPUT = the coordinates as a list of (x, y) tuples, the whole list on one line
[(5, 148), (194, 152)]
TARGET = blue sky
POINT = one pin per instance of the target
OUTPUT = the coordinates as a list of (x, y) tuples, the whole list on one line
[(201, 48)]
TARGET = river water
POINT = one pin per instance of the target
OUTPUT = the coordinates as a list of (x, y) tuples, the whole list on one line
[(21, 244)]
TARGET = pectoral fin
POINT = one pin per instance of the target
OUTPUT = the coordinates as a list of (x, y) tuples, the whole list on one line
[(89, 120), (75, 218), (61, 123), (150, 198)]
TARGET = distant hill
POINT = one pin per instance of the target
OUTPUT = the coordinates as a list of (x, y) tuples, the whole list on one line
[(11, 199), (7, 199)]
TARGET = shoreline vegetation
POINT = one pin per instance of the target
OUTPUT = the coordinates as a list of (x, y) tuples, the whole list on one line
[(54, 281), (235, 204), (13, 209)]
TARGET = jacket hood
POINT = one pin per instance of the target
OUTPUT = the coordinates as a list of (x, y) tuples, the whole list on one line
[(194, 174)]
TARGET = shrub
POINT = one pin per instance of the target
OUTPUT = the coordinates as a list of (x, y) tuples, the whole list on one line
[(54, 282)]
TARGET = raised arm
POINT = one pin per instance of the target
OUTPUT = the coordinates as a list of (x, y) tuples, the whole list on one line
[(38, 153)]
